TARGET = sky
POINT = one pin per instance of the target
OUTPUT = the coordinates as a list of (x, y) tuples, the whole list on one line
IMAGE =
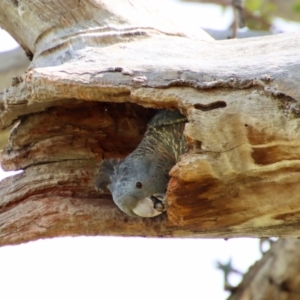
[(125, 268)]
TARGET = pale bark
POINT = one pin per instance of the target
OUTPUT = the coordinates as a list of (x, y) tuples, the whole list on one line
[(240, 177), (275, 276), (12, 64)]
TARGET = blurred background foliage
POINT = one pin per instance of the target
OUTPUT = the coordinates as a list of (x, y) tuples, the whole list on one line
[(260, 14)]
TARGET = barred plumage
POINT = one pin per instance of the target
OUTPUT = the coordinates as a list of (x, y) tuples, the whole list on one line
[(138, 183)]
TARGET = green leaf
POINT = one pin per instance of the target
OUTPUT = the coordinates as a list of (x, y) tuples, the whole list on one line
[(253, 5), (296, 6)]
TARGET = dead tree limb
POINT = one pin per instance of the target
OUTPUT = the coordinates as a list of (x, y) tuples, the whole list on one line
[(96, 70), (275, 276)]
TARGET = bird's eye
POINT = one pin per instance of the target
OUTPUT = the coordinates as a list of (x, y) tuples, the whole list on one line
[(138, 185)]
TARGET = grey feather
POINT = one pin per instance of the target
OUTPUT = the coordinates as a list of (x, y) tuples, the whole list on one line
[(167, 117), (105, 171), (136, 182)]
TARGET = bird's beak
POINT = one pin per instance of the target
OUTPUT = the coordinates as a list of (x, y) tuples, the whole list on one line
[(149, 208)]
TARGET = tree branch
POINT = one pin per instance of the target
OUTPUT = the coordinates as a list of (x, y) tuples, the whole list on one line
[(241, 97), (275, 275)]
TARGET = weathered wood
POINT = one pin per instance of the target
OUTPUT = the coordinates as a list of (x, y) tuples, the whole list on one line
[(12, 64), (241, 97), (275, 276), (241, 173), (59, 199), (269, 65), (82, 131)]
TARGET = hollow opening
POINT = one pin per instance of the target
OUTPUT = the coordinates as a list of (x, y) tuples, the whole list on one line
[(210, 106)]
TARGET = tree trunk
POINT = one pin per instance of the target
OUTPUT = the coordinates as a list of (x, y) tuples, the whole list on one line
[(12, 64), (275, 276), (96, 71)]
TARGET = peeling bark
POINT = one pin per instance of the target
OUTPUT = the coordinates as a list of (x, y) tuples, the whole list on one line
[(77, 104)]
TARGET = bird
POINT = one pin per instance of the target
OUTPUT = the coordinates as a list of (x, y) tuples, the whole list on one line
[(139, 182)]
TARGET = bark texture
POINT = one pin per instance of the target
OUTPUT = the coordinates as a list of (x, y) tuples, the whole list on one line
[(275, 276), (77, 104), (12, 64)]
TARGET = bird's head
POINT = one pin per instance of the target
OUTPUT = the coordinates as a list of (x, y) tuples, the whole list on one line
[(137, 186)]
